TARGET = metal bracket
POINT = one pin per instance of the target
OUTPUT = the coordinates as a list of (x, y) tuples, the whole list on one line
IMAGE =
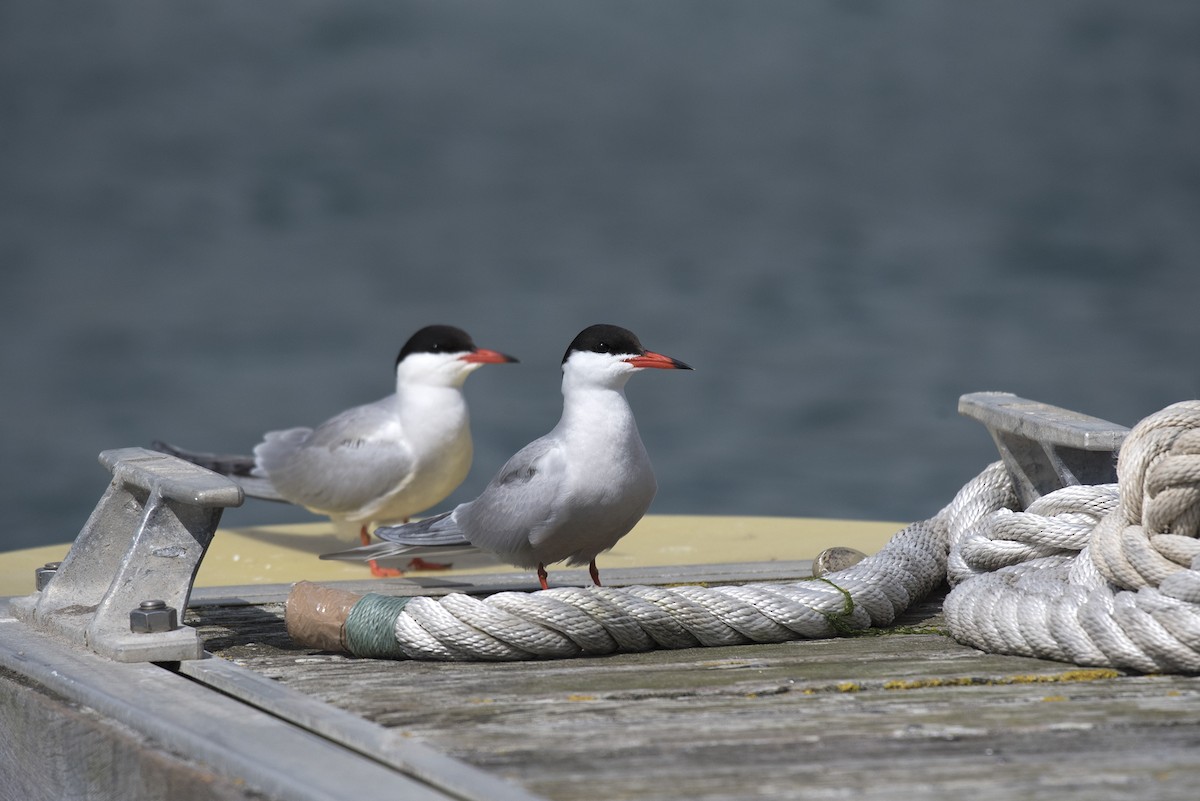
[(144, 541), (1044, 447)]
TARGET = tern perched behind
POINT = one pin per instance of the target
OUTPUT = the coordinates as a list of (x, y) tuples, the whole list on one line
[(378, 463), (567, 496)]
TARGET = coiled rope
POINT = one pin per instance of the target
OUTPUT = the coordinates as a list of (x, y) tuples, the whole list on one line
[(1102, 575), (1106, 575)]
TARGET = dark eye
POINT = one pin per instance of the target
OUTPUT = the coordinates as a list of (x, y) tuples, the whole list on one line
[(603, 347)]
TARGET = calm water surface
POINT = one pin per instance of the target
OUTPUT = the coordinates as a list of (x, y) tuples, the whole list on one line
[(218, 219)]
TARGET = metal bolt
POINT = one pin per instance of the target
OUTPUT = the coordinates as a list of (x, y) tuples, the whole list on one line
[(42, 576), (152, 617)]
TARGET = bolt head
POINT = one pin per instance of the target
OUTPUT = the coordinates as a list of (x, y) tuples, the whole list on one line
[(152, 617), (42, 576)]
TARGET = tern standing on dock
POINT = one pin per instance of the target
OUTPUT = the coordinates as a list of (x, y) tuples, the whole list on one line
[(567, 496), (382, 462)]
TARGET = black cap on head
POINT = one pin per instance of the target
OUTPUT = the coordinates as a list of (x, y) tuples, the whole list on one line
[(437, 339), (602, 338)]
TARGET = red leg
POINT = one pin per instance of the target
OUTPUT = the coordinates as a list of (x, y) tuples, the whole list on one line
[(376, 570), (595, 571), (542, 576), (384, 572)]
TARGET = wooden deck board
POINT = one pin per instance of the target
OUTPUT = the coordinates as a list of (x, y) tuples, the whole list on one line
[(903, 712), (888, 714)]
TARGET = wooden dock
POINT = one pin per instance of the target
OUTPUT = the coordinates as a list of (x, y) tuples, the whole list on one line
[(904, 712), (900, 712)]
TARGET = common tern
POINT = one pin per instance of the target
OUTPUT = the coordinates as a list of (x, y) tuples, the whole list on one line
[(567, 496), (381, 462)]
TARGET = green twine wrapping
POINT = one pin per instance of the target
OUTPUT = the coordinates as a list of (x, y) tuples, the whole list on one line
[(370, 626), (841, 621)]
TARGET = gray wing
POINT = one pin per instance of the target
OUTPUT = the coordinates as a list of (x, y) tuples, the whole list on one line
[(437, 530), (343, 465), (390, 550), (436, 537), (518, 504)]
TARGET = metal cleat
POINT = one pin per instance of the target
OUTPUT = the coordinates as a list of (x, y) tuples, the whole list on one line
[(144, 540), (1046, 448)]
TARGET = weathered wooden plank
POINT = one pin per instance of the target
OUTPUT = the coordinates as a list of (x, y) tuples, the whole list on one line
[(412, 758), (735, 722), (906, 711), (54, 749), (207, 737)]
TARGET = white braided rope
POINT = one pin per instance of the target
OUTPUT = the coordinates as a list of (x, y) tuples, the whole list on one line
[(1106, 575), (571, 621)]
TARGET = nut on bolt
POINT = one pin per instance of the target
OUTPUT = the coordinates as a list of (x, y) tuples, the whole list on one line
[(152, 617), (42, 576)]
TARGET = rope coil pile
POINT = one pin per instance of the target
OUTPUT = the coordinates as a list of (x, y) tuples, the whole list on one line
[(1106, 575), (1102, 575)]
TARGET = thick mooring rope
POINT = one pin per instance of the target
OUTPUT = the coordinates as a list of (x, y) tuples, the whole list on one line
[(1105, 575), (573, 621)]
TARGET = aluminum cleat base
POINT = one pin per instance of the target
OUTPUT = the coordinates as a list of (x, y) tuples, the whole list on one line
[(1044, 447), (144, 541)]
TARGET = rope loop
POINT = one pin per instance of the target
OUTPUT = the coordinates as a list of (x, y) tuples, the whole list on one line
[(1153, 533), (1102, 575)]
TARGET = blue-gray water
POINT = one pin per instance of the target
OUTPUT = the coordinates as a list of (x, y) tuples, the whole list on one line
[(224, 217)]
